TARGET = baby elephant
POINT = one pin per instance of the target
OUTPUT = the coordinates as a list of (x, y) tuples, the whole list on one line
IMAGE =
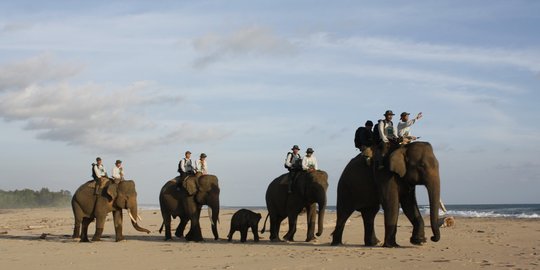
[(241, 221)]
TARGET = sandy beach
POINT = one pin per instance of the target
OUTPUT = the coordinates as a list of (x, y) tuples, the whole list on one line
[(472, 243)]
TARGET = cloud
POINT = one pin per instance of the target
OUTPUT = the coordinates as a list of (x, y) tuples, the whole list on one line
[(14, 27), (425, 51), (254, 40), (91, 115), (39, 69)]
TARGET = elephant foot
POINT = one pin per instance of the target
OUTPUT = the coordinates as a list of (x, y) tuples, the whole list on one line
[(311, 238), (120, 239), (418, 240), (336, 243), (391, 245), (372, 243), (276, 240), (84, 240), (96, 239), (179, 235), (167, 239)]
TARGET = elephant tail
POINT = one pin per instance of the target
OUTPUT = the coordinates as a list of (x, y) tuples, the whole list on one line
[(264, 226), (161, 228)]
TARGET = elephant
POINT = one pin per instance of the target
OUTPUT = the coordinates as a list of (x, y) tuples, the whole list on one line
[(187, 206), (309, 189), (241, 221), (364, 188), (113, 197)]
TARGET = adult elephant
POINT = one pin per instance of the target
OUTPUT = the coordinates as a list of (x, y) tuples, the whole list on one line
[(309, 189), (113, 197), (187, 206), (362, 188)]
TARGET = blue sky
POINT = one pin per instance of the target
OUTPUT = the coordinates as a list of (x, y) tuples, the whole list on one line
[(243, 81)]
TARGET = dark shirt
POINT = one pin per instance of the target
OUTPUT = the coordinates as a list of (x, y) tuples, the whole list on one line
[(363, 137)]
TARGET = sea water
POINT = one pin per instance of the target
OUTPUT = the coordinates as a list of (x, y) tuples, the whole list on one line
[(521, 211)]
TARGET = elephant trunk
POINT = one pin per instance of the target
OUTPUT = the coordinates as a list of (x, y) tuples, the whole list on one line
[(434, 194), (213, 214), (132, 215), (320, 221)]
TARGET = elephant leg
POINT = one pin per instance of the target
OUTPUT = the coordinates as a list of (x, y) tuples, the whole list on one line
[(390, 204), (231, 233), (100, 224), (243, 234), (343, 215), (255, 232), (84, 230), (167, 225), (275, 223), (118, 220), (410, 209), (311, 213), (181, 227), (194, 233), (368, 216), (292, 228)]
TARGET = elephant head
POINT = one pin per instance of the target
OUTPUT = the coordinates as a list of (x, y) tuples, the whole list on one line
[(208, 194), (124, 196), (416, 164), (315, 186)]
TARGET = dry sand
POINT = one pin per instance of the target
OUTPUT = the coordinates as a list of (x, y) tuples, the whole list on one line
[(473, 243)]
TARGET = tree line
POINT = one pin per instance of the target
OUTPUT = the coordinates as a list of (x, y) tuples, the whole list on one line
[(28, 198)]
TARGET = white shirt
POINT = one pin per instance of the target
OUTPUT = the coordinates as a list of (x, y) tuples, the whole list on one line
[(290, 161), (404, 128), (186, 165), (387, 130), (309, 162), (99, 170), (202, 166), (118, 173)]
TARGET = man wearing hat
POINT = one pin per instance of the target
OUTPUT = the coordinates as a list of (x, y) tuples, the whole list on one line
[(202, 167), (186, 168), (309, 162), (118, 171), (387, 133), (363, 138), (404, 127), (293, 163), (98, 173)]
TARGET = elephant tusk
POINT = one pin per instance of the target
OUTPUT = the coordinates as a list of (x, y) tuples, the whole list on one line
[(139, 218), (210, 215), (131, 216)]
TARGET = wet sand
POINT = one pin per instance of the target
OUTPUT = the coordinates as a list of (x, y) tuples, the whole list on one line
[(473, 243)]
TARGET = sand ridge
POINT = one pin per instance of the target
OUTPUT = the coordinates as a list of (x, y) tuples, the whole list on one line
[(32, 238)]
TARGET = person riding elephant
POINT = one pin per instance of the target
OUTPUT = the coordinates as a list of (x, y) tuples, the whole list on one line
[(310, 190), (187, 206), (363, 188), (113, 197)]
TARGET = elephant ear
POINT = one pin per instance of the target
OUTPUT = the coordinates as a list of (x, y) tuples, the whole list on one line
[(112, 191), (397, 162)]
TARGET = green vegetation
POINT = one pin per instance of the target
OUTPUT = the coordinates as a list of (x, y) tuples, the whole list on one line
[(28, 198)]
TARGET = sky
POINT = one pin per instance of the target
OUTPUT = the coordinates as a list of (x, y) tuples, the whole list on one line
[(243, 81)]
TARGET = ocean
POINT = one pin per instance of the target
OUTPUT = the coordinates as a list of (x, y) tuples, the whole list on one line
[(519, 211)]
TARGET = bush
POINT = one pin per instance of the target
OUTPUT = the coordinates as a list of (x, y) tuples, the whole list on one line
[(28, 198)]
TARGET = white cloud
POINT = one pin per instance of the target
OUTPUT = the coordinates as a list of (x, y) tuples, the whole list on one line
[(425, 51), (38, 69), (91, 115), (254, 40)]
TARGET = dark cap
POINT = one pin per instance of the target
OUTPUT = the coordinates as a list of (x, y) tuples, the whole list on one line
[(309, 150), (187, 152), (118, 161), (369, 123), (389, 112), (98, 159), (295, 147), (203, 155), (404, 113)]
